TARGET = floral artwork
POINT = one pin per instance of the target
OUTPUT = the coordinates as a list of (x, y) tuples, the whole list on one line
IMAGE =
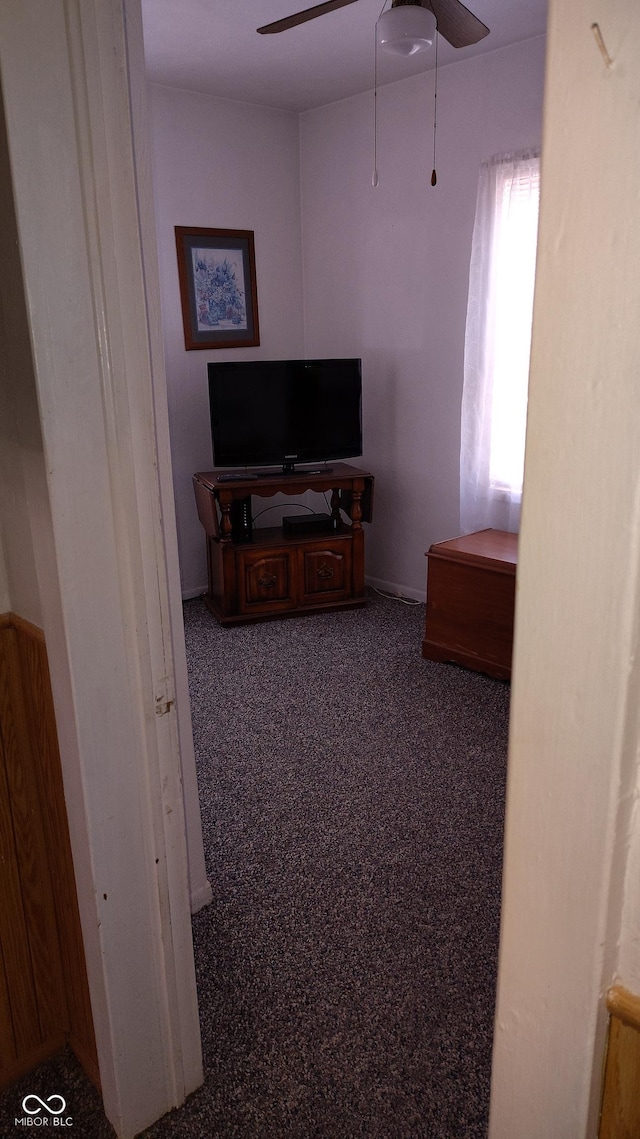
[(217, 287)]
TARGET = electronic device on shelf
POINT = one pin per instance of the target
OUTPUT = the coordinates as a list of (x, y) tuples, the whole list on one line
[(294, 524), (236, 476), (241, 520), (285, 412)]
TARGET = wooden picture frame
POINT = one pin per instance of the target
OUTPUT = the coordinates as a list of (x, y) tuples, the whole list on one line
[(217, 272)]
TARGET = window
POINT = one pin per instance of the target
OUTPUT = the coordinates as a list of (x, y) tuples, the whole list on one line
[(498, 342)]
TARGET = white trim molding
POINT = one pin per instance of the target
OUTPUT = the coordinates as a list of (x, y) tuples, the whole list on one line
[(106, 548)]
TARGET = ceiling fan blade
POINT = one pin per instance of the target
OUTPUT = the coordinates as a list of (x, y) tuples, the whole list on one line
[(456, 23), (302, 17)]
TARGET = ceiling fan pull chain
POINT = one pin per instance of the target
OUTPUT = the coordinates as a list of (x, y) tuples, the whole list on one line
[(375, 180), (434, 176)]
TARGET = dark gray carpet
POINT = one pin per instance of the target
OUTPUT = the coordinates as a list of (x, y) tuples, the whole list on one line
[(61, 1076), (352, 800), (352, 803)]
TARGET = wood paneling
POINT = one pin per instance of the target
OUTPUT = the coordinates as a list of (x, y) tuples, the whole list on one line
[(44, 998), (620, 1118)]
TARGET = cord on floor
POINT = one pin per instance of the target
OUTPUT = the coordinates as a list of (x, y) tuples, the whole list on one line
[(395, 597)]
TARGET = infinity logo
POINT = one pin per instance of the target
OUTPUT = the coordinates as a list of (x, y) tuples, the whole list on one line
[(43, 1104)]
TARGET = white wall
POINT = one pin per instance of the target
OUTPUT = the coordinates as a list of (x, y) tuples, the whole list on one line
[(386, 275), (383, 272), (23, 485), (22, 473), (571, 912), (222, 165)]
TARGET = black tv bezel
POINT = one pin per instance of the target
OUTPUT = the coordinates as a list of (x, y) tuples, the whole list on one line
[(286, 462)]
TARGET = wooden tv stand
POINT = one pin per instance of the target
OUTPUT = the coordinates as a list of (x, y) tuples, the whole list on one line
[(276, 574)]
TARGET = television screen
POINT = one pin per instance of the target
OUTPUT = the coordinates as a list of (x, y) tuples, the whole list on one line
[(285, 411)]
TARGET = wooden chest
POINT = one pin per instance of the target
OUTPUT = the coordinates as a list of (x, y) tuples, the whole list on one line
[(471, 585)]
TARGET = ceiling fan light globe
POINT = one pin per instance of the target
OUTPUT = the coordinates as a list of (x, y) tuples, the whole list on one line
[(408, 47), (406, 30)]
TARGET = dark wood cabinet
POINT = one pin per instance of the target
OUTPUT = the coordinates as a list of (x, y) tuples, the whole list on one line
[(276, 574)]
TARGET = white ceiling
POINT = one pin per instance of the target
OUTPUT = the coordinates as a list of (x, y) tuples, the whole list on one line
[(212, 46)]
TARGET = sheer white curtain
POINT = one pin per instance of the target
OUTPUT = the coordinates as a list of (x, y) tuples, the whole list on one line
[(498, 342)]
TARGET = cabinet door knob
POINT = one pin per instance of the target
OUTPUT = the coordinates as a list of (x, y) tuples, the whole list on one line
[(267, 581), (325, 572)]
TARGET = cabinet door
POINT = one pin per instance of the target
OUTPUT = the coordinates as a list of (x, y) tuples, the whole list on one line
[(266, 581), (326, 574)]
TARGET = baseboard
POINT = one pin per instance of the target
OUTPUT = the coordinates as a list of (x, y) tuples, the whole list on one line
[(201, 896), (401, 591), (189, 594), (376, 583), (620, 1115)]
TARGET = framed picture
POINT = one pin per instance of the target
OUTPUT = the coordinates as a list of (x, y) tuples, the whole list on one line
[(218, 287)]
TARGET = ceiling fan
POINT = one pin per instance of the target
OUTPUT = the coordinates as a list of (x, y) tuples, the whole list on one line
[(456, 23)]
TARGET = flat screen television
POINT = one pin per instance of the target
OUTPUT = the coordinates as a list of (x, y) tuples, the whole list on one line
[(285, 412)]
